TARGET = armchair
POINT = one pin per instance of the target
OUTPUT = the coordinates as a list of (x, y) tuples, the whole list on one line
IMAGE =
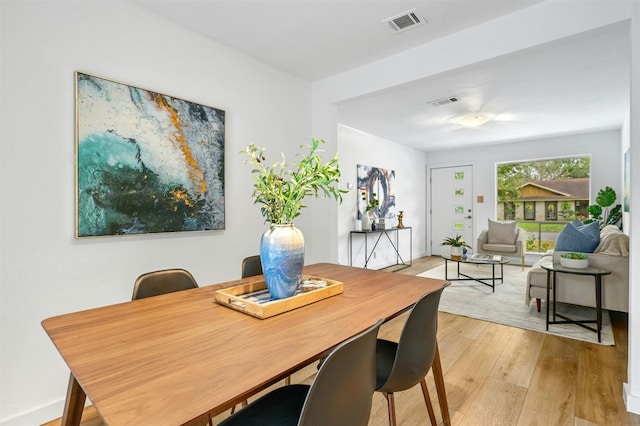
[(504, 239)]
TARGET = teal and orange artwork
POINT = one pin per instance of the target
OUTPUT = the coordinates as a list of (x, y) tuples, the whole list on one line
[(146, 162)]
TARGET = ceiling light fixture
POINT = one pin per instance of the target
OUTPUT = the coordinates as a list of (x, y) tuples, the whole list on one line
[(473, 120)]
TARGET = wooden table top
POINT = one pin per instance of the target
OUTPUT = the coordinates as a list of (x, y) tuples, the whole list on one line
[(173, 358)]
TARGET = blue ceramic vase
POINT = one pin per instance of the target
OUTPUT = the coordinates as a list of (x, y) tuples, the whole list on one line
[(282, 257)]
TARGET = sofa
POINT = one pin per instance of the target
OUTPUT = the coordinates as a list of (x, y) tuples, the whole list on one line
[(611, 253)]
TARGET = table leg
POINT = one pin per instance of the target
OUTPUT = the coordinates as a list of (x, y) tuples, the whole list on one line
[(493, 277), (555, 286), (599, 303), (74, 403), (442, 394), (445, 270), (548, 300)]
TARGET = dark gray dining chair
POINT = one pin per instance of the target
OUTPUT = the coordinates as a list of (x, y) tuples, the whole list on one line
[(164, 281), (340, 394), (251, 266), (402, 365), (161, 282)]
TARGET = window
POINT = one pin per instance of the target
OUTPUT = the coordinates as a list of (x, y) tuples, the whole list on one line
[(551, 210), (529, 210), (550, 186)]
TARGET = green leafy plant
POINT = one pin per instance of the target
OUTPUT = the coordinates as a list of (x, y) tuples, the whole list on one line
[(575, 256), (602, 211), (456, 241), (280, 187), (372, 203)]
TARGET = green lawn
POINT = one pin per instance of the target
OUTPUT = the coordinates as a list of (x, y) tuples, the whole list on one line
[(545, 227)]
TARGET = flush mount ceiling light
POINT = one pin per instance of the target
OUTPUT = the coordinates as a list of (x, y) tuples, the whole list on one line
[(473, 120)]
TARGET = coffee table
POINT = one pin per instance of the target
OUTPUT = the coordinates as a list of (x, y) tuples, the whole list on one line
[(481, 280)]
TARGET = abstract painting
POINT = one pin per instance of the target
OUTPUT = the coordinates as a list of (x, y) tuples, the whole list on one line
[(374, 180), (146, 162)]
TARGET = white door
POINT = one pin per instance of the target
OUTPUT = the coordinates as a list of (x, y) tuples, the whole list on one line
[(451, 190)]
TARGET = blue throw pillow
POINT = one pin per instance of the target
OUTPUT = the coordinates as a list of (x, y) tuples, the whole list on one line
[(578, 237)]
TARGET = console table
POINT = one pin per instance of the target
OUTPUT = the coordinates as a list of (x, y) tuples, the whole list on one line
[(394, 242)]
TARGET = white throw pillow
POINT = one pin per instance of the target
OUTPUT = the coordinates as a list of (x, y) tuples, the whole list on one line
[(502, 232)]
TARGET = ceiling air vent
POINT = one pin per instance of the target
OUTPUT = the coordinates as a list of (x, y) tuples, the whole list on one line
[(404, 21), (444, 101)]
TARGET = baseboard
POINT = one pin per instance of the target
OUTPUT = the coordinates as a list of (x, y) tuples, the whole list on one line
[(37, 416), (631, 401)]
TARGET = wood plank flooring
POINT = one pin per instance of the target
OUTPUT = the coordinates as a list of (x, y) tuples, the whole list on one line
[(499, 375)]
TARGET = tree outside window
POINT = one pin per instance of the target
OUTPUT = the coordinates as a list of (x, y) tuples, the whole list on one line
[(509, 210), (512, 176)]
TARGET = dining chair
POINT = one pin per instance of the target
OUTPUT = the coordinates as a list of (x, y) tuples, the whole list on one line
[(402, 365), (164, 281), (251, 266), (340, 394), (161, 282)]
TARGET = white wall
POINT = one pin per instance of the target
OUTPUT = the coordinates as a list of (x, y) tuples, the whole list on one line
[(355, 148), (632, 388), (603, 147), (44, 270)]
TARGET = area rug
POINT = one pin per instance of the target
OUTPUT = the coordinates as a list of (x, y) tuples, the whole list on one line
[(507, 305)]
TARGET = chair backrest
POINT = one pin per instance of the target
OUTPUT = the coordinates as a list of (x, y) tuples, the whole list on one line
[(251, 266), (343, 388), (161, 282), (417, 345)]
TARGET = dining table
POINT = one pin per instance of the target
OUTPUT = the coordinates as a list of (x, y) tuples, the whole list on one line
[(181, 358)]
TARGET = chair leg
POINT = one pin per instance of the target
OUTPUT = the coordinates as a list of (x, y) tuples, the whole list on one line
[(244, 404), (427, 400), (436, 367), (391, 407), (523, 261), (538, 304), (287, 380)]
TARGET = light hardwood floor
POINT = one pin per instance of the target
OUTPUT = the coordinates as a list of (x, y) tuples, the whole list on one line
[(499, 375)]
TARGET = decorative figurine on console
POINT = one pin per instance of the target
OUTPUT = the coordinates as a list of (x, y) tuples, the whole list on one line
[(400, 216)]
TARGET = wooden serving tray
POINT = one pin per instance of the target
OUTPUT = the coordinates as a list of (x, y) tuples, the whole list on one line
[(254, 299)]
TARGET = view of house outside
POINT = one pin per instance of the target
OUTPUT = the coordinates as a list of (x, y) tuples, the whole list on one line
[(543, 196)]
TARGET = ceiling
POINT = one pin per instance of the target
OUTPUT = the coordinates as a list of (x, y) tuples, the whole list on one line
[(573, 85)]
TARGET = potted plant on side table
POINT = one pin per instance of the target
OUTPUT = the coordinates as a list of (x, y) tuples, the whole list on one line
[(279, 188), (457, 243), (368, 217)]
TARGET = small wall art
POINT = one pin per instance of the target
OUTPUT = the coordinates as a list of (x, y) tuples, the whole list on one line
[(145, 162), (375, 180)]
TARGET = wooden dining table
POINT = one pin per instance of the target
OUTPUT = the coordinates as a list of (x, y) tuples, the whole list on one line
[(181, 358)]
